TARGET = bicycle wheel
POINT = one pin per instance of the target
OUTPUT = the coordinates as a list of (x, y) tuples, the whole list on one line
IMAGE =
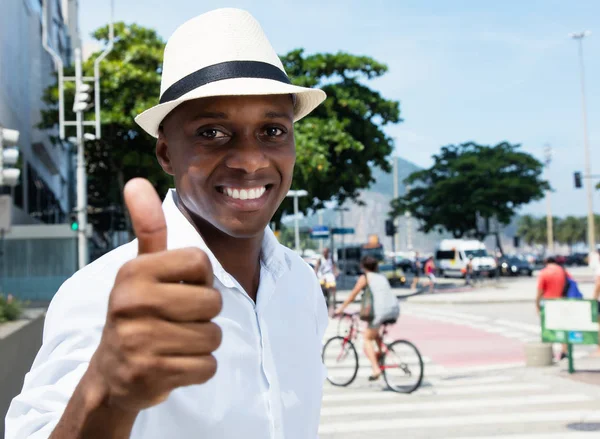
[(402, 367), (341, 360)]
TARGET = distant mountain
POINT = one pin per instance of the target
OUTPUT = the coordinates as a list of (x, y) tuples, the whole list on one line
[(384, 182)]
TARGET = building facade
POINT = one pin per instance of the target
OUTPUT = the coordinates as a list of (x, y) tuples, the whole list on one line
[(44, 194)]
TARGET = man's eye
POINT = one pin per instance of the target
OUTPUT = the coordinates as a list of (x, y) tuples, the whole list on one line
[(210, 133), (274, 132)]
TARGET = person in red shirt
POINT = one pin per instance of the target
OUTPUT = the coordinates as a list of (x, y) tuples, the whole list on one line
[(551, 283), (430, 273)]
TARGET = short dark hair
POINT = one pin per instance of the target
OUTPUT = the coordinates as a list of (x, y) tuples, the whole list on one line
[(369, 263), (550, 260)]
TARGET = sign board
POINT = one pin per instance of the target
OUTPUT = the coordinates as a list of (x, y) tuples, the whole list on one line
[(5, 212), (570, 321), (342, 231), (319, 232)]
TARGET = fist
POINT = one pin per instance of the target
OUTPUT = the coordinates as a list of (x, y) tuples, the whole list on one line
[(158, 334)]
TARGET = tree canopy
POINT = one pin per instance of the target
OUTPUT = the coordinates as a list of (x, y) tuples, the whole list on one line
[(470, 185), (569, 231), (336, 145)]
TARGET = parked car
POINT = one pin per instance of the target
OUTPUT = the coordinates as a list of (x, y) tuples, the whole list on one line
[(514, 266), (395, 275), (407, 265), (577, 259)]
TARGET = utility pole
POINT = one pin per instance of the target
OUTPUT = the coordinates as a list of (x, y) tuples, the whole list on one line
[(320, 216), (408, 216), (341, 210), (579, 36), (396, 237), (549, 225), (82, 244)]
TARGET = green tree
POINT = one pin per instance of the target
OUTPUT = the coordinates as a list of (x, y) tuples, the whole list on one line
[(528, 229), (470, 182), (571, 230), (336, 145), (340, 142)]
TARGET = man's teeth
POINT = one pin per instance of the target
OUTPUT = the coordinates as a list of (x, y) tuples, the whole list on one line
[(245, 194)]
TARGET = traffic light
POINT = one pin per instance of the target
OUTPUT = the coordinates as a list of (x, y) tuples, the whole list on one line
[(577, 176), (82, 97), (9, 176), (390, 229), (517, 241), (74, 223)]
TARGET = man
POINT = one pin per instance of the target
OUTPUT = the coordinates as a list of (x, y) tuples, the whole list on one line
[(469, 271), (551, 284), (205, 327), (416, 271), (325, 269)]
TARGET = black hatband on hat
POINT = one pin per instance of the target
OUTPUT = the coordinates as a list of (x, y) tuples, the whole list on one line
[(224, 70)]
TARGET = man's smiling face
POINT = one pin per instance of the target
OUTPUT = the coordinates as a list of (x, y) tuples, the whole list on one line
[(232, 158)]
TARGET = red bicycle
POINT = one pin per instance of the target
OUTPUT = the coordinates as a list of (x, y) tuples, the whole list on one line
[(400, 361)]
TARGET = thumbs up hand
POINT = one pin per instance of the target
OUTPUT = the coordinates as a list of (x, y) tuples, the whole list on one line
[(158, 334)]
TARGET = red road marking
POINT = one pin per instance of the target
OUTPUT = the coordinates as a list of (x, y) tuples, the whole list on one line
[(454, 345)]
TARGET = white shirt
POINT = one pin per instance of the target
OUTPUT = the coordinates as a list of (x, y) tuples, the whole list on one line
[(270, 375)]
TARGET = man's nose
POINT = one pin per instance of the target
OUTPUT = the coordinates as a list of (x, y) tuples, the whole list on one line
[(247, 155)]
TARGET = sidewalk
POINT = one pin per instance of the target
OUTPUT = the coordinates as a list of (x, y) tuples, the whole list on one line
[(587, 371)]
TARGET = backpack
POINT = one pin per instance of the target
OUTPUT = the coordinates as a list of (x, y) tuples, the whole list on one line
[(571, 290)]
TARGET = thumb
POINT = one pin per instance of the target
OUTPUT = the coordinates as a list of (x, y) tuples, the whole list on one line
[(147, 216)]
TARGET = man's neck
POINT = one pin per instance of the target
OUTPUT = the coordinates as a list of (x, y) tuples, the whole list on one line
[(240, 257)]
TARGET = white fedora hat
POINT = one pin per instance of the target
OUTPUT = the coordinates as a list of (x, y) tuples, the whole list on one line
[(222, 53)]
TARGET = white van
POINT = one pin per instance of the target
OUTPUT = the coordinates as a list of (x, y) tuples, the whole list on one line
[(452, 254)]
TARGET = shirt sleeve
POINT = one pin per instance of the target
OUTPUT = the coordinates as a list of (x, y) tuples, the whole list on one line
[(72, 331)]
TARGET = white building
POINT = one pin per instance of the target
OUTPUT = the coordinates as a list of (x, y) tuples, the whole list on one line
[(45, 190)]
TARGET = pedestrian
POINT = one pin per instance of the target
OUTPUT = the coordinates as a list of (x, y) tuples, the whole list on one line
[(205, 326), (430, 273), (417, 267), (469, 271), (385, 309), (326, 273), (551, 285)]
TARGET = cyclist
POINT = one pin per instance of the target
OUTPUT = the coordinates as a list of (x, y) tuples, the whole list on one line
[(325, 269), (385, 306)]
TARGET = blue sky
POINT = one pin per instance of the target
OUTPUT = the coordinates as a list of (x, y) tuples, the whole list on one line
[(485, 71)]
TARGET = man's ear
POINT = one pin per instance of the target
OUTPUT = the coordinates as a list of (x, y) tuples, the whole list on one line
[(162, 152)]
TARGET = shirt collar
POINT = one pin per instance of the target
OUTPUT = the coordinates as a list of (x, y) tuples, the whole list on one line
[(181, 233)]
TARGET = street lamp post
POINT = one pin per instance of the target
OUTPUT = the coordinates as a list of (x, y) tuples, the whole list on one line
[(341, 210), (296, 194), (579, 36), (549, 225)]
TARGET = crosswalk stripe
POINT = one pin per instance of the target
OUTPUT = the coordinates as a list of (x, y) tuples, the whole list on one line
[(454, 314), (574, 435), (516, 401), (459, 421), (431, 384), (464, 390), (536, 329)]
